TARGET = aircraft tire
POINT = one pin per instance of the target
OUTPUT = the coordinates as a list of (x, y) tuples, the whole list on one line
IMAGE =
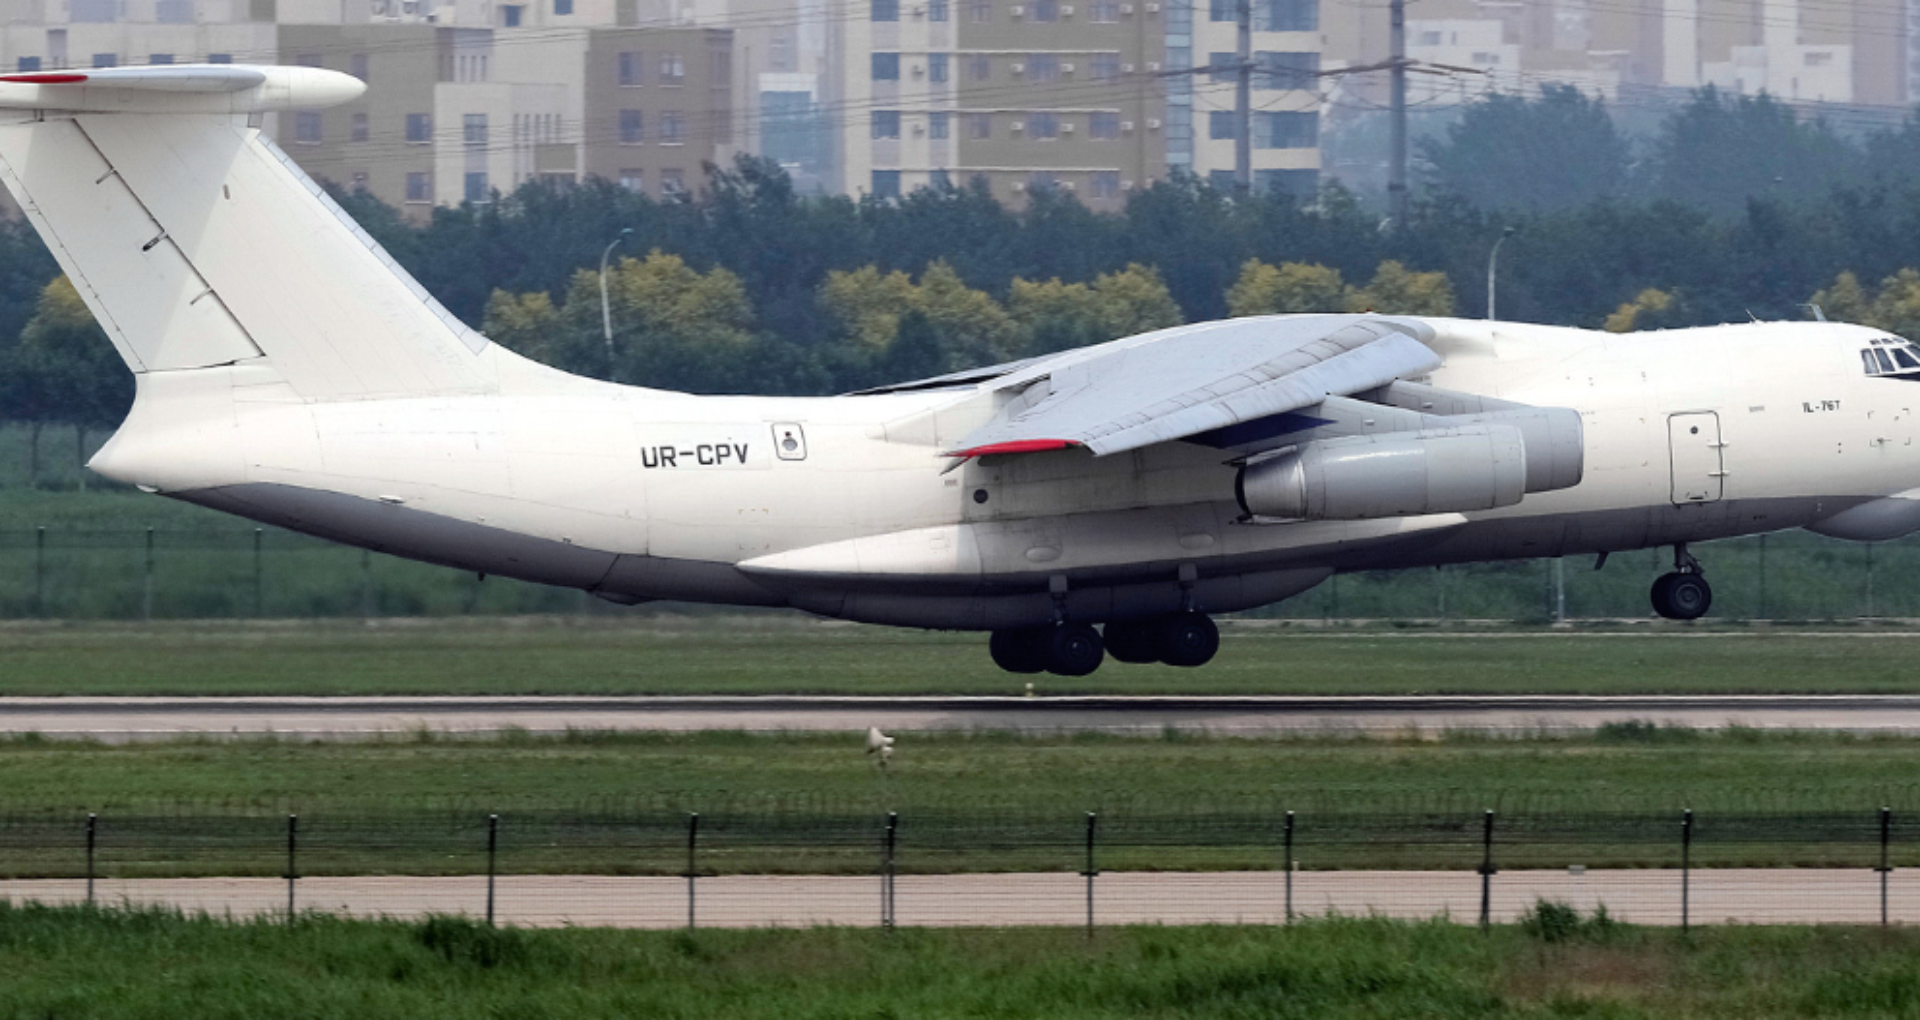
[(1133, 641), (1019, 651), (1188, 640), (1682, 596), (1074, 649)]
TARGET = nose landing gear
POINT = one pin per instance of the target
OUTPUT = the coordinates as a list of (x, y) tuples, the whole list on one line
[(1683, 594)]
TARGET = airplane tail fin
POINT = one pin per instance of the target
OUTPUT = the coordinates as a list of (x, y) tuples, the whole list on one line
[(196, 242)]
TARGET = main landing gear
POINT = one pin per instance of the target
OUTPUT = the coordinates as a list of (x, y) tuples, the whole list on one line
[(1683, 594), (1076, 649)]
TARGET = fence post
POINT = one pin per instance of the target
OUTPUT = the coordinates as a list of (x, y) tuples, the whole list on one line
[(146, 597), (493, 851), (366, 584), (887, 870), (1686, 868), (293, 870), (1289, 865), (92, 825), (1092, 871), (693, 840), (1486, 873), (1886, 863), (259, 588), (40, 571), (1763, 577)]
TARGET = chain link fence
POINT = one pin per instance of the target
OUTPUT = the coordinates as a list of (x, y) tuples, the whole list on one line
[(666, 869), (244, 572)]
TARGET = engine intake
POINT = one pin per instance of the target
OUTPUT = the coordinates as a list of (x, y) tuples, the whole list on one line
[(1394, 474)]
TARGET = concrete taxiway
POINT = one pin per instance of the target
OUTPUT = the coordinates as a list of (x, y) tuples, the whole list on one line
[(122, 719)]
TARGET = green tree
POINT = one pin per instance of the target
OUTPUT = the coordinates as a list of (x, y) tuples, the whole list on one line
[(1058, 316), (1290, 287), (1558, 150), (1397, 290), (64, 371), (1650, 309), (1719, 152), (967, 326), (1894, 307)]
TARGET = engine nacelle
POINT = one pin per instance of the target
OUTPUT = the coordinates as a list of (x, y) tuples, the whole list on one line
[(1394, 474)]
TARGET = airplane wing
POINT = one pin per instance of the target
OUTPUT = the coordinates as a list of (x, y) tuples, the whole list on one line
[(1177, 382)]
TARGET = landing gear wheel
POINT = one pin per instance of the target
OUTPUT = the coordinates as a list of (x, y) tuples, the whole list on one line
[(1019, 651), (1188, 639), (1134, 641), (1682, 596), (1074, 649)]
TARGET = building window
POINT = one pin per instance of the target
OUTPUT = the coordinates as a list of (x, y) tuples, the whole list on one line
[(886, 123), (1286, 15), (673, 128), (937, 67), (28, 65), (473, 129), (780, 53), (476, 187), (1042, 180), (886, 67), (937, 125), (1103, 125), (1220, 124), (420, 128), (979, 125), (106, 59), (1104, 184), (886, 184), (1222, 10), (937, 10), (1045, 10), (173, 12), (673, 183), (886, 10), (1285, 70), (1105, 66), (419, 187), (359, 127), (634, 180), (633, 127), (1043, 67), (219, 58), (306, 127), (1103, 12), (510, 16), (1290, 131), (357, 66), (939, 180), (632, 72), (1043, 126), (1221, 67), (94, 11), (308, 60), (979, 68), (673, 69), (979, 12), (563, 6), (159, 59)]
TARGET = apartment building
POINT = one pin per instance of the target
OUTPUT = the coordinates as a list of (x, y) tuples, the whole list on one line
[(1025, 95), (1203, 126)]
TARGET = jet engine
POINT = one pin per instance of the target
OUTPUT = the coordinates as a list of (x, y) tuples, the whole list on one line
[(1393, 474)]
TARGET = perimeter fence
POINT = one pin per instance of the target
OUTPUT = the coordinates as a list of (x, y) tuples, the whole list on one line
[(729, 869), (245, 572)]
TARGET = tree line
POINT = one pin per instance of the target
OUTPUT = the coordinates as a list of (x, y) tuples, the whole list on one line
[(751, 286)]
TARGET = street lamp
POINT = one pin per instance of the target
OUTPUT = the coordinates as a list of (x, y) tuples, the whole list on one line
[(606, 312), (1493, 268)]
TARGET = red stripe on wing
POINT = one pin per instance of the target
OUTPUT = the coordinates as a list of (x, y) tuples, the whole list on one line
[(49, 78), (1017, 446)]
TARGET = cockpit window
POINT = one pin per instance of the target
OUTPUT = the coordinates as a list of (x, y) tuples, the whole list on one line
[(1891, 356)]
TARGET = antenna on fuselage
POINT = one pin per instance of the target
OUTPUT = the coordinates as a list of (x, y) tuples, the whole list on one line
[(1818, 315)]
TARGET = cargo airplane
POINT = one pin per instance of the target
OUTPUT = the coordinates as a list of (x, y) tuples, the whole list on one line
[(1095, 503)]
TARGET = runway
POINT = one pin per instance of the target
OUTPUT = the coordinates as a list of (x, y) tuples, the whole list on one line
[(122, 719), (1714, 896)]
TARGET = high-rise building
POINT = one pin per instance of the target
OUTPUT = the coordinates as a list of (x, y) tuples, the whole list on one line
[(1285, 110)]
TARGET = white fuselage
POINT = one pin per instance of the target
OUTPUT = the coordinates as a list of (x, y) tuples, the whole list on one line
[(639, 494)]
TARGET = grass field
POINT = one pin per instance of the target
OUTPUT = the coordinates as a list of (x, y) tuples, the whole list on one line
[(812, 804), (780, 654), (136, 964)]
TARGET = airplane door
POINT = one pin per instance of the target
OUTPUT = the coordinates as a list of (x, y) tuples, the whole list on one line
[(1698, 470)]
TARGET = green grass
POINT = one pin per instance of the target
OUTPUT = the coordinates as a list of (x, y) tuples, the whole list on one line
[(132, 964), (782, 654), (812, 804)]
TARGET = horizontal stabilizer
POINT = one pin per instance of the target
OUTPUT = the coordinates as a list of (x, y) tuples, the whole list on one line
[(179, 88)]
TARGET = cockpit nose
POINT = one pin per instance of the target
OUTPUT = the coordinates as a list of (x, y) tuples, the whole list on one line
[(1891, 356)]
